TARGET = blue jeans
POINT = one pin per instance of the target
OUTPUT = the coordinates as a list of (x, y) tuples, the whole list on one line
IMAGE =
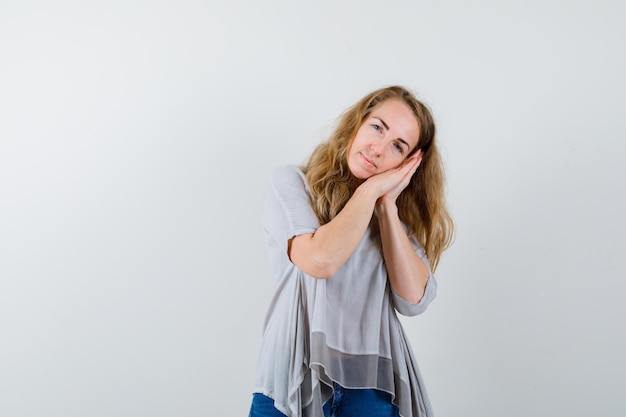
[(263, 406), (344, 403)]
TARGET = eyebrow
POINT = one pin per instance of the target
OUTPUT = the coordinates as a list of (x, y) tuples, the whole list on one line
[(387, 127)]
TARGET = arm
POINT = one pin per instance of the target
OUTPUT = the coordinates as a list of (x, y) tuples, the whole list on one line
[(322, 253), (408, 274)]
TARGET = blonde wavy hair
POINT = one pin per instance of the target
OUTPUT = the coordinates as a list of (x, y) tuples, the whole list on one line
[(421, 206)]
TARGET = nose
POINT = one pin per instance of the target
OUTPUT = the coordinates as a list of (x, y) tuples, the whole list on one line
[(377, 147)]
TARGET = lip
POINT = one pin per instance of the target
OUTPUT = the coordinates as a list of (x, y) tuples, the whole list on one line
[(367, 161)]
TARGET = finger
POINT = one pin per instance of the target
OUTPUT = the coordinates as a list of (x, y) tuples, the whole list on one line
[(408, 164), (412, 165)]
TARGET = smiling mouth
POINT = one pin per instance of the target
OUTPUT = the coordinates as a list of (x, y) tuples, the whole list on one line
[(367, 161)]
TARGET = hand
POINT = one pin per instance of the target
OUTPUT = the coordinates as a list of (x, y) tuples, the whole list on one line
[(394, 181)]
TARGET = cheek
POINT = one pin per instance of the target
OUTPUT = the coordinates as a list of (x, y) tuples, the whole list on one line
[(355, 146), (393, 164), (400, 159)]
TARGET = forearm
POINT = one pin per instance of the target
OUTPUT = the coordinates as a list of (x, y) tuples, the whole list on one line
[(320, 254), (408, 274)]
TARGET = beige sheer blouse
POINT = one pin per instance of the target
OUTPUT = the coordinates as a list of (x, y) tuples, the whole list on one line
[(343, 329)]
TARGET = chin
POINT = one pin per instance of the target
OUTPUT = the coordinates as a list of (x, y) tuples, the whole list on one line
[(357, 173), (358, 170)]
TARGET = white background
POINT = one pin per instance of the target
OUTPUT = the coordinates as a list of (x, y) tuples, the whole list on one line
[(136, 138)]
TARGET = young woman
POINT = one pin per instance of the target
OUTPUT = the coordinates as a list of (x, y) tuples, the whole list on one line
[(353, 236)]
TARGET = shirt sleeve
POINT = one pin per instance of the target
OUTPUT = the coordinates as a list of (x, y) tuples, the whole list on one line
[(406, 308), (288, 211)]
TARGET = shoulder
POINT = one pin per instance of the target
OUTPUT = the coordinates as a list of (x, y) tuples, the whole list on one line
[(287, 171), (288, 175)]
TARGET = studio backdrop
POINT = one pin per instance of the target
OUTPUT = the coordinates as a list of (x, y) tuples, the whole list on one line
[(136, 141)]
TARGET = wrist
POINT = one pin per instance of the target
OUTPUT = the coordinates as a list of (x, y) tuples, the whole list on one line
[(385, 206), (368, 191)]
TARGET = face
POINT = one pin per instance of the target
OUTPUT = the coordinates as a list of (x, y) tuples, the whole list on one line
[(384, 140)]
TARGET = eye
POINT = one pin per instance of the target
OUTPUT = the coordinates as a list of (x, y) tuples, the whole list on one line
[(377, 127), (399, 148)]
